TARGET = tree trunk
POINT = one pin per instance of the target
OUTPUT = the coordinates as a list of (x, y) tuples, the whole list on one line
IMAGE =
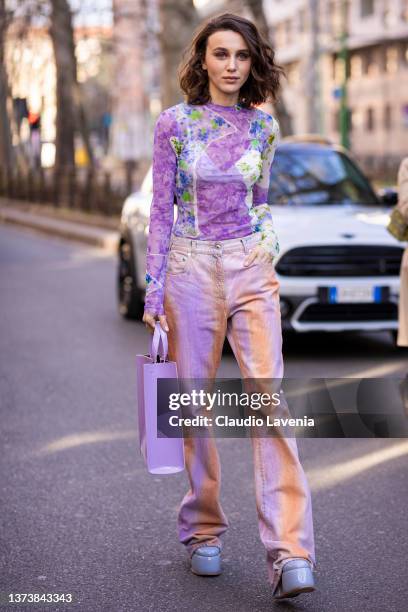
[(6, 152), (62, 37), (178, 21), (129, 138)]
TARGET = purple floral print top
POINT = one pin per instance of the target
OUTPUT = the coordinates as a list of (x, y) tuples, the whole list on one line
[(216, 161)]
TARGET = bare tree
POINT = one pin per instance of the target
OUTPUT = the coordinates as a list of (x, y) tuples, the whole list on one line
[(178, 20), (70, 110), (129, 135), (57, 16), (63, 44), (6, 159)]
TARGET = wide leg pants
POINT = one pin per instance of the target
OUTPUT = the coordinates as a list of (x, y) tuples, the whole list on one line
[(210, 294)]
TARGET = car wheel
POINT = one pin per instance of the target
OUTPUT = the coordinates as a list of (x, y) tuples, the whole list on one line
[(130, 297)]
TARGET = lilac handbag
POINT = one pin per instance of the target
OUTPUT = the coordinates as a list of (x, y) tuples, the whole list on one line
[(162, 455)]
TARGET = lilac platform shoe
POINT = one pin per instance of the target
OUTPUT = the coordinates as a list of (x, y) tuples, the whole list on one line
[(297, 577), (206, 561)]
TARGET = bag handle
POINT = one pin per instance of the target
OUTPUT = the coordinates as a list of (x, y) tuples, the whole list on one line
[(159, 334)]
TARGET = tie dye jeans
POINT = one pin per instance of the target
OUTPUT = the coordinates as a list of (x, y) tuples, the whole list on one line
[(210, 294)]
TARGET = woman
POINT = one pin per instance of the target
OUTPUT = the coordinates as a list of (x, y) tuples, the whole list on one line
[(212, 275), (402, 339)]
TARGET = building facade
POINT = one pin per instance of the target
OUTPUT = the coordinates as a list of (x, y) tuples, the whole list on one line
[(308, 41)]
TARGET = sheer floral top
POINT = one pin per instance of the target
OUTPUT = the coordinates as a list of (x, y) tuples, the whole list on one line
[(215, 160)]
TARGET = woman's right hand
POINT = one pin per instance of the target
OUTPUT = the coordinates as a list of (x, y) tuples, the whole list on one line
[(150, 319)]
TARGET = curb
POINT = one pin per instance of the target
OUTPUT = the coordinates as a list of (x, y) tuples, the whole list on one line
[(85, 233)]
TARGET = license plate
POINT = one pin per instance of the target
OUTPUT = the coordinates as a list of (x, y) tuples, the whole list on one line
[(339, 295)]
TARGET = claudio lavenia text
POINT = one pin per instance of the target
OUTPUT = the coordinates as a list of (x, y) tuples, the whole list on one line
[(249, 421)]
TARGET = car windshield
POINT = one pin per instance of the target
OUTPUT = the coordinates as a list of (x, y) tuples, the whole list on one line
[(313, 177)]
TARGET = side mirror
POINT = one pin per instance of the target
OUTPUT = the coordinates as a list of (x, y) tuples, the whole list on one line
[(388, 196)]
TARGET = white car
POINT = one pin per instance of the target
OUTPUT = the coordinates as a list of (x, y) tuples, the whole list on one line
[(338, 266)]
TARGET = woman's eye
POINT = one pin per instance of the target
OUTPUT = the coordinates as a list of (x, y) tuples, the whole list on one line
[(240, 55)]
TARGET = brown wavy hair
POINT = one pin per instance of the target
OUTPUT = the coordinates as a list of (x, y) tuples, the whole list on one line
[(263, 82)]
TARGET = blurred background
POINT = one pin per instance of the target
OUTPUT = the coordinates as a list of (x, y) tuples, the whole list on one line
[(82, 83)]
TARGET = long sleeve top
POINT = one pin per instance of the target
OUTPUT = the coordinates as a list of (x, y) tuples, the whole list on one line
[(215, 160)]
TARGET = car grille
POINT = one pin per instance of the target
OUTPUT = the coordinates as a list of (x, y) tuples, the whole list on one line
[(341, 260), (334, 313)]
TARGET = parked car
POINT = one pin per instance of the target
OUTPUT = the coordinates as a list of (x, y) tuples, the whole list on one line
[(338, 267)]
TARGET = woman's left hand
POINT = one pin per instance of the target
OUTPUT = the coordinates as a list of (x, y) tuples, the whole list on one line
[(260, 254)]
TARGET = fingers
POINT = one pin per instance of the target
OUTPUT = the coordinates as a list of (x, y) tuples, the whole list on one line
[(150, 325), (163, 322), (250, 258), (258, 254), (150, 321), (268, 258)]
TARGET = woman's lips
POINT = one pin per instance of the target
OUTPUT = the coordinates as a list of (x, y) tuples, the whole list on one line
[(230, 78)]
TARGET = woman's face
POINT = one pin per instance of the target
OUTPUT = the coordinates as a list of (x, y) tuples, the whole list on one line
[(227, 55)]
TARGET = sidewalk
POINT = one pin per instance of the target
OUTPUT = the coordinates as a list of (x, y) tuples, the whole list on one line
[(92, 229)]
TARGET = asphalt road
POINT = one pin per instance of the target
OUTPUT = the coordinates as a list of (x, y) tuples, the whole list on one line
[(79, 512)]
